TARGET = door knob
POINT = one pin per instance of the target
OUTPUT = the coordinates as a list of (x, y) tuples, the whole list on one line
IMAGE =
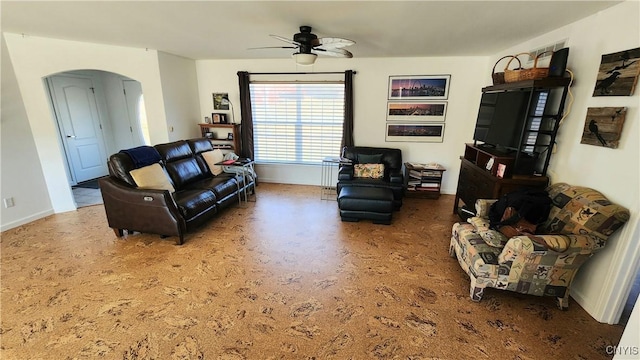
[(71, 136)]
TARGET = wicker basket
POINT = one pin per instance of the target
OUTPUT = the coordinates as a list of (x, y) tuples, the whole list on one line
[(498, 77), (534, 73)]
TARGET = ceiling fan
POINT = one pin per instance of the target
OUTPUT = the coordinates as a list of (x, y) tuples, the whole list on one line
[(308, 46)]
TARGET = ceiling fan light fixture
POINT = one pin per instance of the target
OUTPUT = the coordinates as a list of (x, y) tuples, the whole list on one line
[(304, 59)]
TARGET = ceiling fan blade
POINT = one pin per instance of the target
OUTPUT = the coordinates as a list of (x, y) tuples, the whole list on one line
[(273, 47), (281, 38), (332, 43), (334, 52)]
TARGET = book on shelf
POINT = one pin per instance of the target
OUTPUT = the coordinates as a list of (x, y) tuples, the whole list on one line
[(222, 146), (424, 174), (427, 166), (430, 185), (420, 188)]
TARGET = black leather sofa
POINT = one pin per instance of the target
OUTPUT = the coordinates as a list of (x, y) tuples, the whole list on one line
[(393, 177), (198, 197)]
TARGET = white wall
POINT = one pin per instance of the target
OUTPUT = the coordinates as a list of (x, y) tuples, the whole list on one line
[(370, 105), (35, 58), (614, 172), (180, 91), (21, 176)]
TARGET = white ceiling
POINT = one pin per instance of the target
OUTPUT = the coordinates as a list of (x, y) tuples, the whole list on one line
[(226, 29)]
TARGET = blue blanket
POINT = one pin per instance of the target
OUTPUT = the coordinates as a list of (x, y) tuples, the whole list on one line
[(143, 155)]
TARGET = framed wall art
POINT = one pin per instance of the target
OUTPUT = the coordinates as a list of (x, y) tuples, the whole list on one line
[(419, 87), (618, 73), (220, 101), (416, 111), (414, 132), (603, 126)]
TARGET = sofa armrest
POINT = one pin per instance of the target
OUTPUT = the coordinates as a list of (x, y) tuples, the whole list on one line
[(142, 210), (396, 177), (482, 207), (345, 172), (548, 246)]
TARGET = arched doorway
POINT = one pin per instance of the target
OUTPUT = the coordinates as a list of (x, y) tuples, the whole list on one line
[(97, 113)]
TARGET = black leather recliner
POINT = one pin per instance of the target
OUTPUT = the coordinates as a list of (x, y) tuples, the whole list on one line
[(393, 177)]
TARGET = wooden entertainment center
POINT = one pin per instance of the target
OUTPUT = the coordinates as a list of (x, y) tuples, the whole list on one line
[(476, 182), (488, 172)]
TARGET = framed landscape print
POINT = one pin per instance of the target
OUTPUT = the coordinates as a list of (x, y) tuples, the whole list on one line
[(416, 111), (618, 73), (419, 87), (414, 132)]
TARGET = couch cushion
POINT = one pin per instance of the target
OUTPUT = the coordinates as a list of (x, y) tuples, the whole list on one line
[(222, 185), (369, 159), (152, 177), (391, 157), (174, 150), (120, 165), (373, 171), (581, 210), (212, 158), (200, 145), (194, 202), (184, 172)]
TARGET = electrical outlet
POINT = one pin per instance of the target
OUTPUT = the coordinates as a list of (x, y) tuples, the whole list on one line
[(8, 202)]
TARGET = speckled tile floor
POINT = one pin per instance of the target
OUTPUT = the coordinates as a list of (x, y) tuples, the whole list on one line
[(282, 278)]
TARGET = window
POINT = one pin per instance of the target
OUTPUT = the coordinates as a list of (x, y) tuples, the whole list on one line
[(297, 122)]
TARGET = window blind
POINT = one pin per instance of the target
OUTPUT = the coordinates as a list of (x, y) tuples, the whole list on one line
[(295, 122)]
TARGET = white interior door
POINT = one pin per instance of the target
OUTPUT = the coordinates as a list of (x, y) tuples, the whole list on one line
[(79, 123), (135, 110)]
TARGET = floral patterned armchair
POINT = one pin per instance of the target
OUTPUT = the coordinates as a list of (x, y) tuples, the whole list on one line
[(578, 226)]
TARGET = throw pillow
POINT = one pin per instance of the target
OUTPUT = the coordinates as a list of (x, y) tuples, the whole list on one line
[(212, 158), (369, 159), (152, 177), (373, 171)]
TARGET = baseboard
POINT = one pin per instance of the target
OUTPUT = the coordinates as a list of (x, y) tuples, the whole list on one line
[(583, 302), (26, 220)]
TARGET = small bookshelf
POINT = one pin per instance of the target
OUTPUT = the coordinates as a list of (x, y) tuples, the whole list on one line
[(218, 135), (423, 180)]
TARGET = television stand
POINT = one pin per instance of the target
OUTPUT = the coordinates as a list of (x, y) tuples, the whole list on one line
[(479, 181)]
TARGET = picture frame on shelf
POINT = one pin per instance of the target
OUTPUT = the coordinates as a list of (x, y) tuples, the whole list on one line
[(416, 111), (218, 118), (419, 87), (414, 132)]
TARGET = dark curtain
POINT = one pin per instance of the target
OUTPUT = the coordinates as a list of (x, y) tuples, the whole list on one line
[(347, 129), (246, 126)]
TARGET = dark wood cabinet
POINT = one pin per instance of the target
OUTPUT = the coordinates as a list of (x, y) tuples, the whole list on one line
[(476, 182)]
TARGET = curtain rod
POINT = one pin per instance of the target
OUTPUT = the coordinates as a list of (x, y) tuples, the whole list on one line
[(301, 73)]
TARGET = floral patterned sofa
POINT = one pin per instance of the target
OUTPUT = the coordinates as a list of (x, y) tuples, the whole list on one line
[(578, 226)]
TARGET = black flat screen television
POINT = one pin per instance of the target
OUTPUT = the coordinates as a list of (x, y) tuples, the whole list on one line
[(501, 118)]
